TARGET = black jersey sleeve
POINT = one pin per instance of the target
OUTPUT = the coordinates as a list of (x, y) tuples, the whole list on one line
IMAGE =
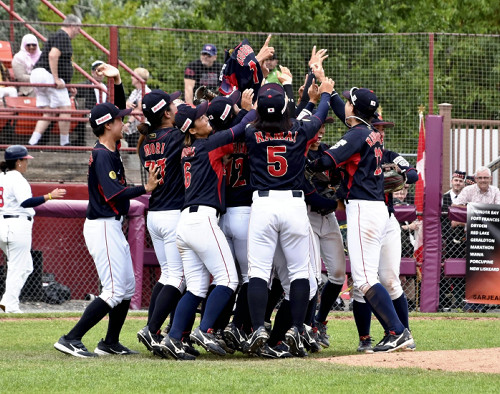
[(338, 106)]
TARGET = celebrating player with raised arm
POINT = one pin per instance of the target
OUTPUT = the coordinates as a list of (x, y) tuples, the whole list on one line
[(109, 201)]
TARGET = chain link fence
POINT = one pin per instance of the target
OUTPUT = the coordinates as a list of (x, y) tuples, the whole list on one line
[(407, 71)]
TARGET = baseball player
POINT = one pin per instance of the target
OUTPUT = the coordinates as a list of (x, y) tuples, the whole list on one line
[(202, 245), (109, 200), (161, 144), (234, 223), (390, 260), (360, 152), (16, 222), (329, 241), (276, 146)]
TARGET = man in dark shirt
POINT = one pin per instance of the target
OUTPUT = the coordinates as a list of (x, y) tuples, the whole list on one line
[(55, 67), (202, 72)]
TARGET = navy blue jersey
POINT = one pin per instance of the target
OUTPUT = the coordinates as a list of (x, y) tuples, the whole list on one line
[(360, 153), (107, 184), (241, 70), (316, 154), (204, 172), (163, 147), (277, 159), (238, 189), (411, 173)]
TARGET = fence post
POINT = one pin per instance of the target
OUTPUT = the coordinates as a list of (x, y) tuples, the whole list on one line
[(431, 73), (445, 112), (431, 266), (113, 58)]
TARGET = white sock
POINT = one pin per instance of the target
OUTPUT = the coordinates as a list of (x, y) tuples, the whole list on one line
[(35, 137), (64, 139)]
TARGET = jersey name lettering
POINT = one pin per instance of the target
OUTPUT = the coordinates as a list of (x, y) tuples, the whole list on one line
[(286, 136), (188, 151), (154, 148), (373, 138), (240, 147), (243, 52)]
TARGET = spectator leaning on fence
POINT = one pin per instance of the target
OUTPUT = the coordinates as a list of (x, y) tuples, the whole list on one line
[(16, 222), (202, 72), (481, 192), (24, 61), (55, 66)]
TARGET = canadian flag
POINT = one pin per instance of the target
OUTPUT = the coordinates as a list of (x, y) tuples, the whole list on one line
[(419, 190)]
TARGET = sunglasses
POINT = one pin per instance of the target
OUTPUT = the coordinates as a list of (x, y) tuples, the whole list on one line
[(31, 45)]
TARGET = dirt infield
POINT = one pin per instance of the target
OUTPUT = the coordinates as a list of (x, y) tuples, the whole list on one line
[(468, 360)]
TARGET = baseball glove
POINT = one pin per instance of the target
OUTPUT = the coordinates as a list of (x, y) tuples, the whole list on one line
[(394, 180)]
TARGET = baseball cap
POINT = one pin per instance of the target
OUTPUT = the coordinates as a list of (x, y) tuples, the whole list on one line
[(155, 101), (469, 180), (380, 122), (187, 114), (271, 102), (96, 64), (105, 112), (220, 109), (209, 49), (329, 120), (364, 100), (15, 152), (459, 174)]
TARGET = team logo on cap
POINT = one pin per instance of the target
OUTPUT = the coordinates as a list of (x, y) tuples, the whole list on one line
[(186, 125), (103, 119), (112, 175), (158, 106), (270, 110), (226, 112), (373, 103)]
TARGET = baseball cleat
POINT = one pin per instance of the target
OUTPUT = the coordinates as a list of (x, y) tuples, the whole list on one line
[(189, 347), (103, 349), (294, 341), (279, 351), (174, 348), (268, 327), (394, 342), (256, 340), (73, 347), (207, 341), (412, 346), (224, 344), (365, 345), (149, 339), (234, 336), (309, 339), (323, 337)]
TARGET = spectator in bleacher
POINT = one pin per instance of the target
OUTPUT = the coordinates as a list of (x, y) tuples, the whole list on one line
[(88, 98), (16, 222), (24, 61), (55, 66), (134, 102), (272, 65), (9, 91), (454, 245), (202, 72), (470, 180)]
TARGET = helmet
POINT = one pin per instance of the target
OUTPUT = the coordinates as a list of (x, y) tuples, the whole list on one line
[(15, 152)]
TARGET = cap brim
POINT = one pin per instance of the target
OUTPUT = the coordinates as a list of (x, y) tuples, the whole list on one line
[(272, 85), (346, 94), (329, 120), (123, 112), (201, 109), (174, 95), (383, 124), (234, 96), (27, 157)]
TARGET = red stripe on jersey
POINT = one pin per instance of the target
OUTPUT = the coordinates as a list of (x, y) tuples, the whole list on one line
[(351, 166), (110, 203), (215, 157)]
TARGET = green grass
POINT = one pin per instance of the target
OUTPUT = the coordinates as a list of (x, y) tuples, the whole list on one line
[(28, 361)]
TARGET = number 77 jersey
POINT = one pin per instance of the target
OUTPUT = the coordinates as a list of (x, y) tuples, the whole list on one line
[(277, 159), (359, 151)]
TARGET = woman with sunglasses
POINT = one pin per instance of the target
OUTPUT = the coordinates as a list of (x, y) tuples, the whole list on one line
[(23, 63)]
